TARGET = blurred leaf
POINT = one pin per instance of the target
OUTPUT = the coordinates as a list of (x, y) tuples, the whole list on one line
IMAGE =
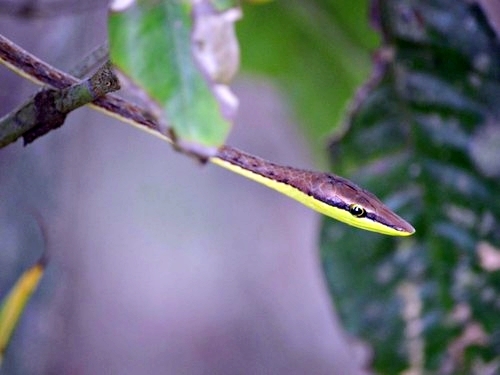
[(221, 5), (12, 306), (317, 50), (413, 140), (151, 43)]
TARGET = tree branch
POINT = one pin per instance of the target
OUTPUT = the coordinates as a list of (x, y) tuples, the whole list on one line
[(36, 70), (47, 110)]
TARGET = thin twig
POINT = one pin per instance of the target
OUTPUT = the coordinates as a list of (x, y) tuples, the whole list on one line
[(96, 58), (38, 71), (47, 109)]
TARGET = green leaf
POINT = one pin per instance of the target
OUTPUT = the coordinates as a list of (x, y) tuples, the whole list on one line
[(222, 5), (417, 141), (317, 51), (151, 43)]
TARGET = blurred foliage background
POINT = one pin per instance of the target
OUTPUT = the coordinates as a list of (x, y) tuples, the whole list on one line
[(318, 52), (423, 133), (418, 124)]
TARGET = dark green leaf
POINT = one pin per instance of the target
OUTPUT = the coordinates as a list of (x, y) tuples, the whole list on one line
[(415, 141)]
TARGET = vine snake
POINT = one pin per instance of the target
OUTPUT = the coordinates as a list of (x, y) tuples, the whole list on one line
[(328, 194), (331, 195)]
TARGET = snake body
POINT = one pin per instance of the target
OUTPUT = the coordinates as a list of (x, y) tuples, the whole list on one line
[(326, 193), (331, 195)]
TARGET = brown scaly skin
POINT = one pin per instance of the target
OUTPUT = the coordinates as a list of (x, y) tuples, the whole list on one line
[(328, 188)]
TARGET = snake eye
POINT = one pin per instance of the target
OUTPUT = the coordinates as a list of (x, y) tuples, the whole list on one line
[(357, 210)]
